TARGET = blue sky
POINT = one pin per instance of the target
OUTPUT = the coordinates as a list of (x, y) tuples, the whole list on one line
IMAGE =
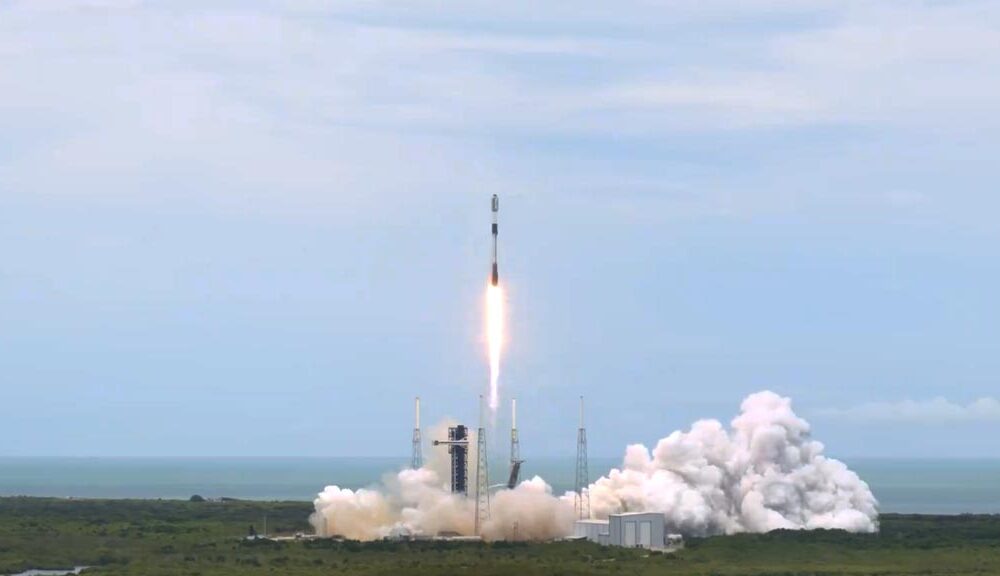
[(234, 228)]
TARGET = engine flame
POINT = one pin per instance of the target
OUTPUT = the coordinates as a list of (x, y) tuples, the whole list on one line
[(494, 336)]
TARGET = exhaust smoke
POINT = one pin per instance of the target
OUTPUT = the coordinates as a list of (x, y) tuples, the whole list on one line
[(763, 473)]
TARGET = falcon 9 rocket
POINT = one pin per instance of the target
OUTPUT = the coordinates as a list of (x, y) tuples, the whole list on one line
[(496, 209)]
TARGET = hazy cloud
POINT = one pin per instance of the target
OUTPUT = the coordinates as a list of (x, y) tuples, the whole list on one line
[(309, 98), (937, 410)]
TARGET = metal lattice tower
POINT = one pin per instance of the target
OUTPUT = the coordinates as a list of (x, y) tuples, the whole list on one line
[(515, 448), (482, 474), (582, 500), (417, 461)]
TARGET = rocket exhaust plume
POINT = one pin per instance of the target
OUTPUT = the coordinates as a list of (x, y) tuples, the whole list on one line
[(494, 335), (494, 315)]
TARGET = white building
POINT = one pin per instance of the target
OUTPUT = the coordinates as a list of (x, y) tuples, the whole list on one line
[(630, 530), (637, 530)]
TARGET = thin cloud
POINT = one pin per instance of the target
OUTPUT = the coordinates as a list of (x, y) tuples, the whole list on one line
[(302, 100), (937, 410)]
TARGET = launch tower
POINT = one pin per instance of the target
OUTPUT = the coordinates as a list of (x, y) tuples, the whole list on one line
[(458, 448)]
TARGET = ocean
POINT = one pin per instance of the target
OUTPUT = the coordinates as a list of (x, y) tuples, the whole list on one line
[(938, 486)]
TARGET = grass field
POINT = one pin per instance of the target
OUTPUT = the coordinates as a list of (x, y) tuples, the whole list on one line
[(154, 537)]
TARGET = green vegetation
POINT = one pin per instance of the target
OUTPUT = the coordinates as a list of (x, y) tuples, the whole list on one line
[(159, 537)]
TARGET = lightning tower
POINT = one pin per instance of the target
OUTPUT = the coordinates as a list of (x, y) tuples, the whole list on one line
[(482, 474), (515, 447), (582, 475), (417, 461)]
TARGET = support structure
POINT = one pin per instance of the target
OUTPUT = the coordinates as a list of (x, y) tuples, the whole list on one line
[(482, 474), (515, 448), (417, 460), (582, 499), (458, 448)]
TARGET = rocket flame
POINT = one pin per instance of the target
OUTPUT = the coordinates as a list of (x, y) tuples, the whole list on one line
[(494, 336)]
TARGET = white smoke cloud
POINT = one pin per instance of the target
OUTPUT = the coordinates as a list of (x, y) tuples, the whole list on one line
[(417, 502), (420, 502), (765, 473)]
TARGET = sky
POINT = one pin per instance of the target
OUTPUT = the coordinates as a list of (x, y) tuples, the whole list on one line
[(262, 228)]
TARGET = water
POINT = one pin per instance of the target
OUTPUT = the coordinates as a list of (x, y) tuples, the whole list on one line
[(938, 486), (917, 486), (180, 478)]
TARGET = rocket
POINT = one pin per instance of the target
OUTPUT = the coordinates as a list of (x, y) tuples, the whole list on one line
[(495, 205)]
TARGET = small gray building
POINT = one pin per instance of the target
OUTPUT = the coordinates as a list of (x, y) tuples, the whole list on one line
[(591, 530)]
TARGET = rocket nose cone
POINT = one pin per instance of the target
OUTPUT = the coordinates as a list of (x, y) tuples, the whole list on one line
[(495, 203)]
